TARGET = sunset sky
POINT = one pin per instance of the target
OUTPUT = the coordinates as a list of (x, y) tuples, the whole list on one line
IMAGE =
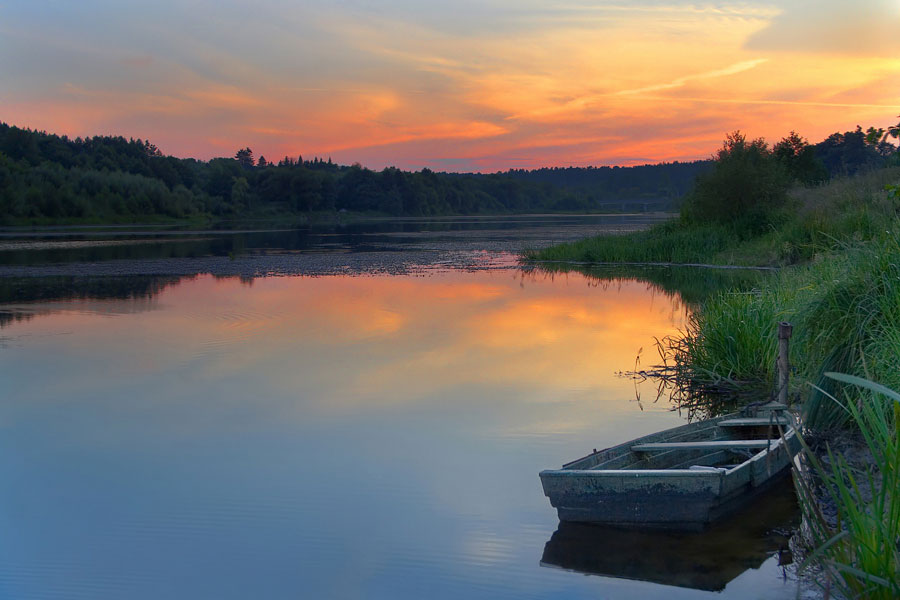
[(466, 85)]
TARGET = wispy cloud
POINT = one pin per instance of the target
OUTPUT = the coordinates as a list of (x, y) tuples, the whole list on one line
[(492, 83), (775, 102), (740, 67)]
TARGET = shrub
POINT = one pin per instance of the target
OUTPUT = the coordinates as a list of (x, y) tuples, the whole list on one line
[(746, 190)]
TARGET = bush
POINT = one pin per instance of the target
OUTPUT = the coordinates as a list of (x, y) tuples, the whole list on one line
[(746, 190)]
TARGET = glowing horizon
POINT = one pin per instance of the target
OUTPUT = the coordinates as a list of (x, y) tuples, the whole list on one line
[(476, 86)]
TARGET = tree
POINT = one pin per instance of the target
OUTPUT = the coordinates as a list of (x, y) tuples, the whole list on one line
[(240, 193), (151, 149), (745, 190), (848, 153), (894, 130), (877, 139), (799, 158), (244, 156), (262, 163)]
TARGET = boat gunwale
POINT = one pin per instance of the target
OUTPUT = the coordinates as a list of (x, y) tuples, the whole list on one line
[(635, 473)]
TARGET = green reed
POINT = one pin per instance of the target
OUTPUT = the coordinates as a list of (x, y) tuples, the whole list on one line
[(846, 314), (669, 242), (859, 551)]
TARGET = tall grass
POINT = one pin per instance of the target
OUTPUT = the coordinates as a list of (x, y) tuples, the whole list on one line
[(846, 313), (860, 552), (669, 242), (816, 221)]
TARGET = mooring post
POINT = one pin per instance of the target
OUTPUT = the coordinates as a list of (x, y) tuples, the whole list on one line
[(783, 365)]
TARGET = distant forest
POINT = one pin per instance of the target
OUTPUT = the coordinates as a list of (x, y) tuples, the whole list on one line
[(46, 178)]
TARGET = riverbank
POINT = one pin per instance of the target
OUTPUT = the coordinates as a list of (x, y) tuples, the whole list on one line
[(838, 247), (815, 221), (840, 288)]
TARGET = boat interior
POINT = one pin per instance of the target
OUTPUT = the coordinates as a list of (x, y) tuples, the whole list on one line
[(722, 443)]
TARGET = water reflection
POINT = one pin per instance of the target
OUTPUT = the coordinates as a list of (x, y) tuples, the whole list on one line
[(707, 560), (692, 284), (330, 437), (96, 244)]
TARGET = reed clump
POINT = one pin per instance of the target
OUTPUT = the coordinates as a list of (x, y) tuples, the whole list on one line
[(669, 242), (858, 548), (846, 312)]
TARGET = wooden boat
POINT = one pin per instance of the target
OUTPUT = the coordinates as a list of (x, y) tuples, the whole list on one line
[(682, 478), (703, 560)]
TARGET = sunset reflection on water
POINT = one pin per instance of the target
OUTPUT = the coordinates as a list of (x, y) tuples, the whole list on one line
[(370, 436)]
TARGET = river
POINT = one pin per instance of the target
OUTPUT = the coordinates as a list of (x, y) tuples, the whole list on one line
[(352, 411)]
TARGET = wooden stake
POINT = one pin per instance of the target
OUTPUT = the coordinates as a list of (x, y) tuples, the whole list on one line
[(783, 364)]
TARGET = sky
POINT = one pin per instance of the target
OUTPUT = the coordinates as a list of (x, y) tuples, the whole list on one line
[(469, 85)]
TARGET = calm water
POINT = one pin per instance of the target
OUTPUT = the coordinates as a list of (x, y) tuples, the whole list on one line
[(369, 436)]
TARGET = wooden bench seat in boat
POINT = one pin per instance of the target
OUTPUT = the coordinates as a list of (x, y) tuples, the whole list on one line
[(713, 445)]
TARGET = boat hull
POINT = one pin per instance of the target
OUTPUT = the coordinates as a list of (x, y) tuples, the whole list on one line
[(679, 498)]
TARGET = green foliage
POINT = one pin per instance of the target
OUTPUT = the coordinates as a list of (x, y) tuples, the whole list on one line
[(692, 285), (846, 312), (661, 184), (668, 242), (799, 159), (244, 156), (50, 178), (853, 152), (746, 190), (893, 192), (860, 553), (851, 322), (847, 210), (844, 300)]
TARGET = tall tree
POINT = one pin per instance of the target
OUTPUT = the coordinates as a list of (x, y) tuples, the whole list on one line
[(244, 156), (799, 159)]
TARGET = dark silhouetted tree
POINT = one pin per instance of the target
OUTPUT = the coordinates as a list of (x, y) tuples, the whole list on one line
[(745, 190), (244, 156), (799, 158)]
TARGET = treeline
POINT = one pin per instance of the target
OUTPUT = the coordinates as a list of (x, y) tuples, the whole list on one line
[(765, 205), (49, 177), (840, 154), (585, 185), (46, 177)]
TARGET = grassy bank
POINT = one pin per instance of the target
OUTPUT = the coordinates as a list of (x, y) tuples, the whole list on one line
[(845, 307), (841, 288), (813, 221), (839, 245)]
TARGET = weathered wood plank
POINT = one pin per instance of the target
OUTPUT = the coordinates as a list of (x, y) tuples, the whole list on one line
[(715, 445)]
